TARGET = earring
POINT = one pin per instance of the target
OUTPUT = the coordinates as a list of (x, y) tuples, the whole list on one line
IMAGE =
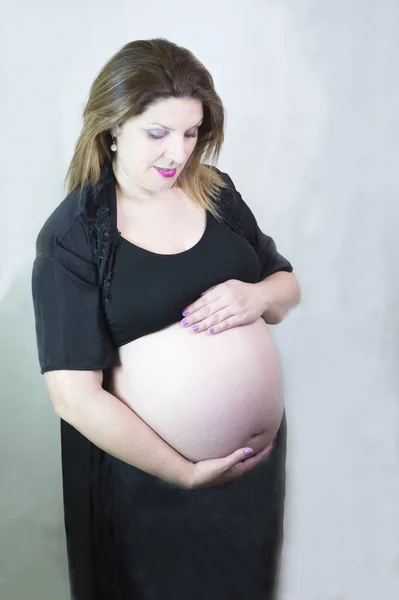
[(113, 146)]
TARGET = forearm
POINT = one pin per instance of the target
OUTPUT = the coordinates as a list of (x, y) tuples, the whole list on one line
[(278, 294), (116, 429)]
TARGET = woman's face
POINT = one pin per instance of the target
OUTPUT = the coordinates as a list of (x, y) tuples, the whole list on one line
[(164, 136)]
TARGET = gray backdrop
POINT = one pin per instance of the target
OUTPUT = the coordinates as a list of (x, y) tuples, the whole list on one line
[(311, 92)]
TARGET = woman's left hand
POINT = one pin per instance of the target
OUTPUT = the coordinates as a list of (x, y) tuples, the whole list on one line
[(224, 306)]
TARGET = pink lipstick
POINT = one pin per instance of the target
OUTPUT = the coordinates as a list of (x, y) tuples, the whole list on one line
[(166, 172)]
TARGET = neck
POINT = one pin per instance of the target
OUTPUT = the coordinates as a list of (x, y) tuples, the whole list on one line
[(131, 192)]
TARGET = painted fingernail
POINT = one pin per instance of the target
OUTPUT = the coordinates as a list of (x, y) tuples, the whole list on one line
[(211, 330), (185, 322), (196, 328), (185, 312), (248, 452)]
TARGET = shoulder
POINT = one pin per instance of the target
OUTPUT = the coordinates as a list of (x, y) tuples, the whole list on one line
[(224, 176), (67, 221), (65, 232), (229, 198)]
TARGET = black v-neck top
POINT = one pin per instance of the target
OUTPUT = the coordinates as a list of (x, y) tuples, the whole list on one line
[(150, 290)]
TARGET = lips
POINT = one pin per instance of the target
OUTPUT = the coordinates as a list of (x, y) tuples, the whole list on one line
[(166, 172)]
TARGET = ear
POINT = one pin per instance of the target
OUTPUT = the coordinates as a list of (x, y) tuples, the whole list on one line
[(116, 130)]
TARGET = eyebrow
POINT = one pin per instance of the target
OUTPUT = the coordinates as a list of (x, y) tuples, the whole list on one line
[(169, 129)]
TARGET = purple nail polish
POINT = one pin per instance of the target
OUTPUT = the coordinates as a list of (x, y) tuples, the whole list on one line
[(211, 330), (185, 312), (185, 322), (196, 328), (248, 452)]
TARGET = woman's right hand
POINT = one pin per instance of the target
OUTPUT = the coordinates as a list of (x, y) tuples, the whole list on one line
[(215, 471)]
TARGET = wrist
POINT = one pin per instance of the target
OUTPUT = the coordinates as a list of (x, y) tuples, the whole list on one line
[(262, 298), (187, 475), (183, 474)]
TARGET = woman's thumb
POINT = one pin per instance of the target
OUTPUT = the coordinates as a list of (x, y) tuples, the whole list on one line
[(237, 456)]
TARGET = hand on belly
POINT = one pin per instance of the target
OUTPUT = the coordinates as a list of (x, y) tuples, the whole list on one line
[(204, 395)]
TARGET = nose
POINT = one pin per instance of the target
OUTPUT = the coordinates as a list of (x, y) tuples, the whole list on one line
[(177, 152)]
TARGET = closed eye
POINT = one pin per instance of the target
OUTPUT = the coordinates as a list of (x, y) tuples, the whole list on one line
[(160, 137)]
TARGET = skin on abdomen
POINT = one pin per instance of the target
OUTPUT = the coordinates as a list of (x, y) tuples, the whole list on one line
[(205, 395)]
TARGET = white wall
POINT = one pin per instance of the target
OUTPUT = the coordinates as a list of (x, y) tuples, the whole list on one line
[(311, 91)]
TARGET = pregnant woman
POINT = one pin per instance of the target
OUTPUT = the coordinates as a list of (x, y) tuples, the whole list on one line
[(152, 287)]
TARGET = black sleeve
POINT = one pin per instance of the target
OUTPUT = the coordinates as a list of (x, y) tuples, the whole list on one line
[(270, 259), (71, 329)]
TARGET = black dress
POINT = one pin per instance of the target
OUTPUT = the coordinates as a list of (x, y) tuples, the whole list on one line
[(130, 535)]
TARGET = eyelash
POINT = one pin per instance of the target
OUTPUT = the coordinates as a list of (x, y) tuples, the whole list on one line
[(156, 137)]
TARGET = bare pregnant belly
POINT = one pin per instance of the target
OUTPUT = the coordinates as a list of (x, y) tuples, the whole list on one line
[(205, 395)]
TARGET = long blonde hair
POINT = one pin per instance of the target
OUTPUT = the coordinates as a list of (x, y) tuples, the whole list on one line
[(140, 73)]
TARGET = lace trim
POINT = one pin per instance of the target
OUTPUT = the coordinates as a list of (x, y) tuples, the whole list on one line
[(104, 239), (232, 216)]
